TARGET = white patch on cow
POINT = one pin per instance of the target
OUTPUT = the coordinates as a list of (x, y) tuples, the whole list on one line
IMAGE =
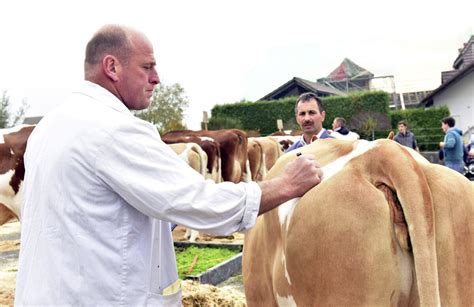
[(206, 138), (283, 262), (285, 211), (10, 130), (360, 147), (7, 195), (285, 300)]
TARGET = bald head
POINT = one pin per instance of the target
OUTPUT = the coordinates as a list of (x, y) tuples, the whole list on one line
[(116, 40), (120, 59)]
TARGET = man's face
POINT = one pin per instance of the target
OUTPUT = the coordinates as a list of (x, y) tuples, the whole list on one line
[(138, 76), (402, 128), (309, 118), (445, 127)]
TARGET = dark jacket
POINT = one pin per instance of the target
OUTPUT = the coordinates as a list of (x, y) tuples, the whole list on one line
[(408, 139)]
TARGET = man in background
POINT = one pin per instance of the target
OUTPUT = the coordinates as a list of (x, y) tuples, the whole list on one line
[(452, 146), (341, 132), (309, 112), (405, 137)]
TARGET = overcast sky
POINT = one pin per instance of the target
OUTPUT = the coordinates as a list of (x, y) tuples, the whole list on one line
[(224, 51)]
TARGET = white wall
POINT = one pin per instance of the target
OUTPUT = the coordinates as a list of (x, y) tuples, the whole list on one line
[(459, 98)]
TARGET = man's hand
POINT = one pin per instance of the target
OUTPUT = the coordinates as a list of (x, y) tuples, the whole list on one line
[(301, 175), (297, 178)]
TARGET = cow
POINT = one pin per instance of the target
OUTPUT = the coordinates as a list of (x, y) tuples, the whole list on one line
[(12, 170), (386, 227), (262, 154), (233, 150)]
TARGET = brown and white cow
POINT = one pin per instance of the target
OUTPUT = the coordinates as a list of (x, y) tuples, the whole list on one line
[(12, 170), (383, 228)]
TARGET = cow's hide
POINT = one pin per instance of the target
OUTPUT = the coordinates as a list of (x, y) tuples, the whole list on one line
[(384, 227)]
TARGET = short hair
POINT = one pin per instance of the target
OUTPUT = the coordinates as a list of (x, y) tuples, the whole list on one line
[(306, 97), (341, 121), (449, 121), (110, 39), (402, 122)]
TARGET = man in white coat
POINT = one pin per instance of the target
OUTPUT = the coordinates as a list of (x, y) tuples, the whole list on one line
[(102, 189)]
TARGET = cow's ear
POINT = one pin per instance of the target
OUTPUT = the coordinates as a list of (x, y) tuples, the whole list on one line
[(112, 67)]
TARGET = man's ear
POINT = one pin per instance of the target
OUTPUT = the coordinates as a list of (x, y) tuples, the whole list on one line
[(111, 67)]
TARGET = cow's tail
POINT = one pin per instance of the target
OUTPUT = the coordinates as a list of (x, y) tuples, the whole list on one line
[(406, 177)]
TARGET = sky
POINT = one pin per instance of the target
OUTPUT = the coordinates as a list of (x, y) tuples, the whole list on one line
[(225, 51)]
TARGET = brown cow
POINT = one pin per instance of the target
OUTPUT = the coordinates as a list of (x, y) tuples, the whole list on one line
[(385, 227), (12, 170)]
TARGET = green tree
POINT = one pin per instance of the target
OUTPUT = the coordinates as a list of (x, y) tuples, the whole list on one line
[(7, 119), (166, 110), (4, 110)]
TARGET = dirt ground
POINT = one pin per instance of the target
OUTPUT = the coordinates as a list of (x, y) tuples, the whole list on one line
[(229, 293)]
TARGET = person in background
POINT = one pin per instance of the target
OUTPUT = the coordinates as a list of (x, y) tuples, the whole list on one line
[(405, 137), (453, 146), (101, 190), (341, 132), (309, 112)]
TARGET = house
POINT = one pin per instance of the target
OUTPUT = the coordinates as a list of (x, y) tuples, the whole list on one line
[(297, 86), (457, 90)]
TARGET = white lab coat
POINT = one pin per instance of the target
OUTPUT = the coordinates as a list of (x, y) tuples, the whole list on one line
[(100, 191)]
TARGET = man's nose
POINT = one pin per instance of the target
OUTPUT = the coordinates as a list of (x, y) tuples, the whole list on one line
[(154, 78)]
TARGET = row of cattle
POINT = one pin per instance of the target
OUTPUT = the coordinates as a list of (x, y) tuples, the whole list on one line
[(228, 155)]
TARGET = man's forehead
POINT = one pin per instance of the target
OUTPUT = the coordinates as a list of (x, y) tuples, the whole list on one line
[(308, 105)]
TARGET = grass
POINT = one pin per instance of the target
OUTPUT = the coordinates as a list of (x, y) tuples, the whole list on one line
[(194, 260)]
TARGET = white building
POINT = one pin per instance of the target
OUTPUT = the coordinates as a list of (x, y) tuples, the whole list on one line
[(457, 90)]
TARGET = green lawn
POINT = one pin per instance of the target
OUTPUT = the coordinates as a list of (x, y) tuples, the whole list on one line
[(199, 259)]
